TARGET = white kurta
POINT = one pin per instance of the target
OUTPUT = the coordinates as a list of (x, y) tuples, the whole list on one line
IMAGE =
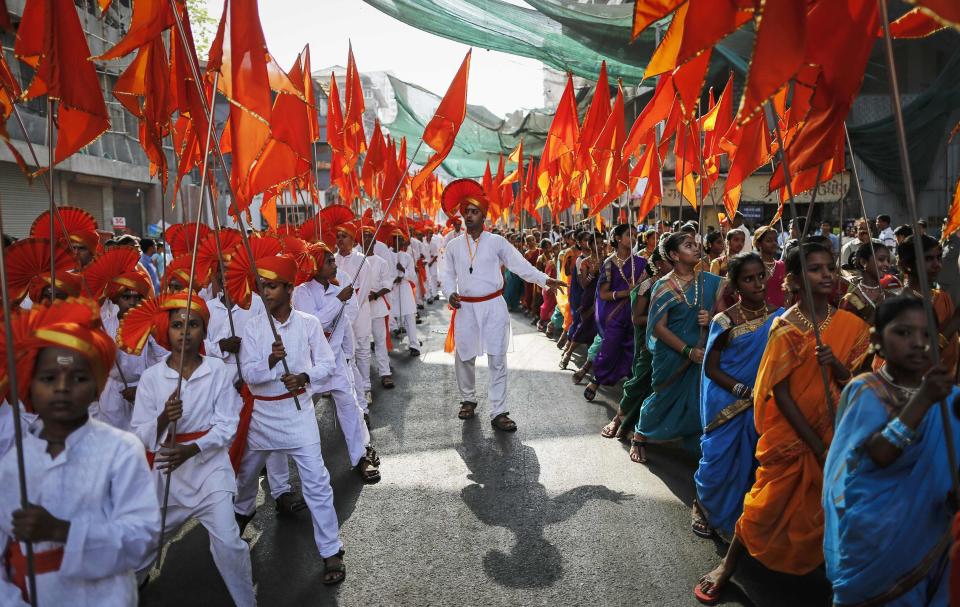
[(311, 298), (403, 300), (483, 327), (219, 328), (101, 484), (365, 282), (381, 278), (210, 403), (278, 424), (114, 409)]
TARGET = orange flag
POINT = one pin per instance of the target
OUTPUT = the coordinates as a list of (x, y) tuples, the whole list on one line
[(714, 125), (442, 129), (247, 75), (648, 168), (561, 144), (150, 18), (953, 216), (374, 163), (748, 148), (946, 12), (143, 89), (778, 52), (607, 182), (645, 12), (51, 40), (515, 156), (354, 140), (657, 110)]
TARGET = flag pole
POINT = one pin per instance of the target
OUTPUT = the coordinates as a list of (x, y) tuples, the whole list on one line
[(195, 72), (805, 286), (915, 220), (863, 206), (15, 405), (53, 204), (172, 434)]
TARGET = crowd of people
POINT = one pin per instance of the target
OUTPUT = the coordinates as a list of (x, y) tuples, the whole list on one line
[(796, 365), (152, 389)]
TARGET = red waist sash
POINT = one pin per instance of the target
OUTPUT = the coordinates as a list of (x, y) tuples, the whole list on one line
[(451, 342)]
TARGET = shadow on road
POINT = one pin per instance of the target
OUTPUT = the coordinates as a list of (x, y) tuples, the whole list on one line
[(506, 492)]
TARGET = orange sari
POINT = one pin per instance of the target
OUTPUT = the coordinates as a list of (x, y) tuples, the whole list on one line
[(782, 520)]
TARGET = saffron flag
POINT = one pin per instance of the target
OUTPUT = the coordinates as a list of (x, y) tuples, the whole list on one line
[(648, 168), (561, 144), (953, 216), (150, 19), (374, 163), (352, 138), (441, 131), (51, 40), (515, 156)]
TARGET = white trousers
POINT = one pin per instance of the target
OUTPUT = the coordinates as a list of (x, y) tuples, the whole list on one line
[(278, 474), (230, 553), (410, 323), (358, 389), (361, 331), (378, 327), (315, 483), (467, 381), (433, 279)]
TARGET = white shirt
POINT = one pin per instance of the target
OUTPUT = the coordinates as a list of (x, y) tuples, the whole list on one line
[(483, 327), (888, 238), (210, 403), (403, 299), (113, 409), (219, 328), (380, 273), (434, 246), (365, 281), (384, 252), (311, 298), (101, 484), (278, 424)]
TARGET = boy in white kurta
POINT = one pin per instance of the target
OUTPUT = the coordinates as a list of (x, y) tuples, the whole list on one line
[(94, 513), (472, 281), (325, 300), (277, 424), (202, 482), (404, 284), (364, 279), (379, 307)]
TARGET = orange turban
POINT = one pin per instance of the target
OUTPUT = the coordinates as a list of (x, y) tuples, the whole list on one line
[(281, 268), (461, 193), (134, 280), (73, 324), (81, 227), (68, 282), (152, 317)]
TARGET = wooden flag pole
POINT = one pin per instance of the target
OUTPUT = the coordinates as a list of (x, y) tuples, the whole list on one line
[(863, 206), (917, 244), (15, 404), (53, 205), (805, 286)]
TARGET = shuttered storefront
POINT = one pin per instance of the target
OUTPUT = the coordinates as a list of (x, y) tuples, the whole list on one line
[(89, 198), (20, 201)]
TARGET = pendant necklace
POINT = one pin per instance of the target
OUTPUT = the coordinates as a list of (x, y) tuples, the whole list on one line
[(472, 252)]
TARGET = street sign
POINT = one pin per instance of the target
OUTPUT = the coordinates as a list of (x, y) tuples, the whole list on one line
[(119, 223)]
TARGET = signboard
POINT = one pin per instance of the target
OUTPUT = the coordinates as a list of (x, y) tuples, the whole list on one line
[(755, 191), (119, 223)]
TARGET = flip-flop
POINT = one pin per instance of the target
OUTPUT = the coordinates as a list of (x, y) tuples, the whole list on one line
[(611, 429), (589, 393), (699, 524), (707, 598)]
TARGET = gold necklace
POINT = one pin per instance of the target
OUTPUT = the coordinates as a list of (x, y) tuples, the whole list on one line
[(619, 263), (770, 267), (680, 289), (823, 324)]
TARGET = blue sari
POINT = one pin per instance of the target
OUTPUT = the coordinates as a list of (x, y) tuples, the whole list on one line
[(887, 530), (672, 410), (729, 439)]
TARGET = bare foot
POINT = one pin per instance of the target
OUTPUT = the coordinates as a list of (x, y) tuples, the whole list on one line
[(712, 583)]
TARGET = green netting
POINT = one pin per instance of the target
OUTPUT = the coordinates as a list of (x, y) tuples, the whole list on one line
[(926, 121), (482, 137), (500, 26)]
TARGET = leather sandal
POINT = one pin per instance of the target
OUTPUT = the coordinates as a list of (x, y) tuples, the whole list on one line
[(339, 571), (504, 423), (468, 410)]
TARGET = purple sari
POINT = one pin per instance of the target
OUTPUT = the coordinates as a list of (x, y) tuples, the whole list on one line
[(615, 322)]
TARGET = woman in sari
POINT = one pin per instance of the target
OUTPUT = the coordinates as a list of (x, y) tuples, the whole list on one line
[(583, 329), (681, 305), (765, 243), (865, 293), (735, 345), (620, 273), (548, 297), (531, 255), (636, 389), (886, 482), (782, 520)]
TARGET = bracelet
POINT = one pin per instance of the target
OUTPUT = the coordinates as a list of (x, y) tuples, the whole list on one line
[(686, 351), (741, 390), (901, 430)]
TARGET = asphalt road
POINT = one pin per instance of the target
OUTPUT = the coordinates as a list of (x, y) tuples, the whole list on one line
[(550, 515)]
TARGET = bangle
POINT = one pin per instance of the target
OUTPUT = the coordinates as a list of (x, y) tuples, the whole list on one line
[(901, 431), (686, 351)]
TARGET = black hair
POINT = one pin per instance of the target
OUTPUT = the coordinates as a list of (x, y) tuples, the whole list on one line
[(545, 243), (809, 247), (903, 230), (738, 262), (620, 230), (580, 235), (883, 217), (711, 238), (8, 240), (146, 243), (906, 254), (732, 233), (671, 244), (799, 223), (568, 234), (866, 249), (893, 307)]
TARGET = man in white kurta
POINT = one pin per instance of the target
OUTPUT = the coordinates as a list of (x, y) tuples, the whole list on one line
[(418, 252), (101, 484), (380, 284), (472, 281), (405, 308), (204, 486), (363, 278), (277, 425), (434, 246)]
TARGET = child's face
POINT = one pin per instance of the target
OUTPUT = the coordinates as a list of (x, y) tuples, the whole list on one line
[(275, 294), (752, 284), (688, 252), (184, 334), (328, 269), (736, 242), (932, 262), (63, 386), (820, 273), (905, 342), (126, 301)]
